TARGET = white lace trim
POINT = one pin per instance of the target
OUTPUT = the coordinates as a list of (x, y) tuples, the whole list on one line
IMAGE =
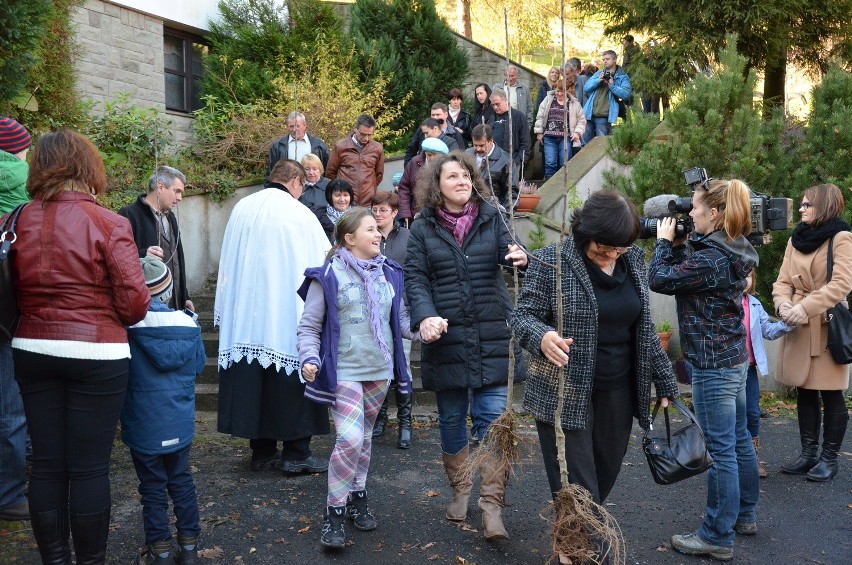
[(263, 355)]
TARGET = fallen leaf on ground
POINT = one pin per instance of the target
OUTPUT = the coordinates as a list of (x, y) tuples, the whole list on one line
[(428, 545), (433, 557), (433, 493), (467, 527), (662, 549), (252, 550), (305, 530), (211, 553), (460, 560)]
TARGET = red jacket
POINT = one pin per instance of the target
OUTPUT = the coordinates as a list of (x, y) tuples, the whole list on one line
[(77, 272)]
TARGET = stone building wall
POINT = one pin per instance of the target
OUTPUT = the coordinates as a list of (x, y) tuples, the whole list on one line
[(485, 65)]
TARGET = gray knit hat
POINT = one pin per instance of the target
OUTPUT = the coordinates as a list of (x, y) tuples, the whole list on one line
[(158, 278)]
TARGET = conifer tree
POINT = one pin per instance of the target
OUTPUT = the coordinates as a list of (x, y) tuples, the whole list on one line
[(22, 25)]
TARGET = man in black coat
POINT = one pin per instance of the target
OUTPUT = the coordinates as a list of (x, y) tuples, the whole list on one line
[(493, 164), (441, 113), (155, 228), (521, 143), (296, 144)]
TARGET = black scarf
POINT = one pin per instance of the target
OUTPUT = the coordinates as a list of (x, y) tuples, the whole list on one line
[(806, 239)]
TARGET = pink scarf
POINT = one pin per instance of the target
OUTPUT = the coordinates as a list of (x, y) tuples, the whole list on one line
[(459, 223)]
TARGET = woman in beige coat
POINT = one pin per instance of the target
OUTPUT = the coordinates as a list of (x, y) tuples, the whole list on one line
[(802, 295)]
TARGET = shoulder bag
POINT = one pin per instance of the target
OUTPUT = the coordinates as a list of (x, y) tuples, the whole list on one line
[(839, 322), (9, 312), (678, 455)]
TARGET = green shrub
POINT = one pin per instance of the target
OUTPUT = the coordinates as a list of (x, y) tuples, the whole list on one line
[(23, 24)]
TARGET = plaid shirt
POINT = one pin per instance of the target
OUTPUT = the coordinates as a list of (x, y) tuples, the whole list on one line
[(707, 279)]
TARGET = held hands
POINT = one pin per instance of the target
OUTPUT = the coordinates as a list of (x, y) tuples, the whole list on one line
[(517, 255), (309, 372), (555, 348), (795, 315), (432, 328)]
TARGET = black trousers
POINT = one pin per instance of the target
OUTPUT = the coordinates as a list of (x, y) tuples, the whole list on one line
[(593, 455), (72, 408), (294, 450)]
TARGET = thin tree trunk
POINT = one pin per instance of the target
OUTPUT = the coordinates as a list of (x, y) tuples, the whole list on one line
[(468, 32), (773, 85)]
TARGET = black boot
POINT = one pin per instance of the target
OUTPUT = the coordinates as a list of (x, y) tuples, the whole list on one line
[(832, 436), (90, 533), (51, 533), (403, 414), (381, 420), (158, 553), (809, 424), (333, 532), (187, 550), (358, 509)]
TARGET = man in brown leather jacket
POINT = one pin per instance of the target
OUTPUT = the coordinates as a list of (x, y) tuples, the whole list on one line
[(360, 160)]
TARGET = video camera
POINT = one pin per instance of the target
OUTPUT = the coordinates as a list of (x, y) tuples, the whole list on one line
[(766, 213)]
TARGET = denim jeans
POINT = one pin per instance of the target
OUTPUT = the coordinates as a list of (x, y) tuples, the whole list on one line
[(159, 474), (13, 433), (596, 127), (753, 402), (486, 404), (732, 482), (72, 408), (554, 156)]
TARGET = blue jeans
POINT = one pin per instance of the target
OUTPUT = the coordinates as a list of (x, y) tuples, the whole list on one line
[(486, 405), (753, 402), (170, 473), (13, 433), (554, 156), (596, 127), (732, 482)]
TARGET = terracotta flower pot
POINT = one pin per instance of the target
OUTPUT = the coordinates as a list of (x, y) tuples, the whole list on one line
[(528, 202), (665, 337)]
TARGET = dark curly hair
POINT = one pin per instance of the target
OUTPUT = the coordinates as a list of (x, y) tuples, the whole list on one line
[(427, 191), (607, 217)]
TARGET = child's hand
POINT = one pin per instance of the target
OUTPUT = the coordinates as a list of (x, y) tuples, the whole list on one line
[(309, 372)]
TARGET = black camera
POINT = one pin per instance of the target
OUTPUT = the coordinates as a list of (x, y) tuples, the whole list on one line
[(677, 206), (606, 75)]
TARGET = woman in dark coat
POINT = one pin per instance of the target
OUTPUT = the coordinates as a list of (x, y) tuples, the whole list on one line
[(482, 110), (455, 288), (608, 317), (458, 118)]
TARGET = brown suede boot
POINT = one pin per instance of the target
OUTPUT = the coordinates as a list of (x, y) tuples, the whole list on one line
[(761, 470), (492, 494), (453, 464)]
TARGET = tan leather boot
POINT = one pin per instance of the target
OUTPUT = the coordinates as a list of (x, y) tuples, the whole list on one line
[(453, 464), (492, 493), (761, 470)]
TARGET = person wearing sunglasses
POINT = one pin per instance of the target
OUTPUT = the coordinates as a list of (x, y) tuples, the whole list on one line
[(802, 295), (707, 276), (615, 353)]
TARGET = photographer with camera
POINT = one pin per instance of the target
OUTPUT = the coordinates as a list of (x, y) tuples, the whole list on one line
[(707, 275), (604, 90)]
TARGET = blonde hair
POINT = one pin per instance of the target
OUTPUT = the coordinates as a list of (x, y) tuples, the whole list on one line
[(732, 199)]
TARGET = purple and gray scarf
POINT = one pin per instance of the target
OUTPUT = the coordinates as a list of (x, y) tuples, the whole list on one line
[(459, 223)]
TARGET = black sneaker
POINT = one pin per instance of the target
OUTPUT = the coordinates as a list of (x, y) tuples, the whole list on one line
[(358, 509), (265, 463), (310, 465), (333, 532)]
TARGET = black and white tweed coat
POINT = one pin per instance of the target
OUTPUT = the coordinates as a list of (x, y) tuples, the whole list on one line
[(535, 315)]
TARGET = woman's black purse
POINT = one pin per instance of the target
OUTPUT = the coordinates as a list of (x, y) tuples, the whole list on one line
[(679, 455), (9, 312), (839, 323)]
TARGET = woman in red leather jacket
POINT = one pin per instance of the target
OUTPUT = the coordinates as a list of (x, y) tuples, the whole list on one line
[(79, 284)]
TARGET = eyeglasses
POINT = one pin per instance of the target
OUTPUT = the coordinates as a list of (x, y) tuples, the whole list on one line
[(382, 210), (610, 248), (805, 205)]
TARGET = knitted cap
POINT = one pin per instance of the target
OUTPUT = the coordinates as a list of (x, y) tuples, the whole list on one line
[(158, 278), (14, 137), (434, 145), (397, 178)]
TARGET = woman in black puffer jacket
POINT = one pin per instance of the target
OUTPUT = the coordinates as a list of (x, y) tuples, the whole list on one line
[(455, 289)]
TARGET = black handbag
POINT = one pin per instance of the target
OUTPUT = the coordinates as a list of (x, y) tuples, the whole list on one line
[(679, 455), (839, 323), (9, 312)]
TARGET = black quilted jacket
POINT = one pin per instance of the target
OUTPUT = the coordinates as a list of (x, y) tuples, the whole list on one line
[(465, 285)]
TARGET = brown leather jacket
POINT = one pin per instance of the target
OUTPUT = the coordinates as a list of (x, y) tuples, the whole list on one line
[(363, 169), (77, 272)]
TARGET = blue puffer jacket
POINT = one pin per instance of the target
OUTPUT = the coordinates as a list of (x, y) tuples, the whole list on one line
[(620, 89), (159, 409)]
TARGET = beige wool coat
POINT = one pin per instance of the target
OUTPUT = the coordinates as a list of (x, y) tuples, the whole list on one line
[(803, 358)]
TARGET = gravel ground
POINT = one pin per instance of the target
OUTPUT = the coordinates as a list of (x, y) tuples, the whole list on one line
[(269, 518)]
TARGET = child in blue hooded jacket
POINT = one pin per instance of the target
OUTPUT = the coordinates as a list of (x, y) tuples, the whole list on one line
[(158, 419)]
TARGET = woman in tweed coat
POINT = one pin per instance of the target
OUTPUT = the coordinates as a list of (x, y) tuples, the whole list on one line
[(606, 314)]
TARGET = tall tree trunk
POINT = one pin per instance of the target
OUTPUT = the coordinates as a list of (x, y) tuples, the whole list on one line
[(468, 32), (773, 85)]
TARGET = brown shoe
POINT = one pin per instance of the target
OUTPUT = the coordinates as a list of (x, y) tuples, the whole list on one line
[(453, 465), (761, 470)]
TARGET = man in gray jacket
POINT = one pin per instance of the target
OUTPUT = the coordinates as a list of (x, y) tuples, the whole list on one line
[(493, 163), (517, 93), (296, 144)]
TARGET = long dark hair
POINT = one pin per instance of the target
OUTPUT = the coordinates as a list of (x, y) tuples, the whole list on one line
[(477, 107)]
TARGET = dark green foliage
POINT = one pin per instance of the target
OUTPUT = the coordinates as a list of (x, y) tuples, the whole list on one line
[(809, 33), (408, 39), (253, 40), (23, 23)]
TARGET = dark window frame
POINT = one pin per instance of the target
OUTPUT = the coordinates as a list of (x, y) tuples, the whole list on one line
[(188, 76)]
